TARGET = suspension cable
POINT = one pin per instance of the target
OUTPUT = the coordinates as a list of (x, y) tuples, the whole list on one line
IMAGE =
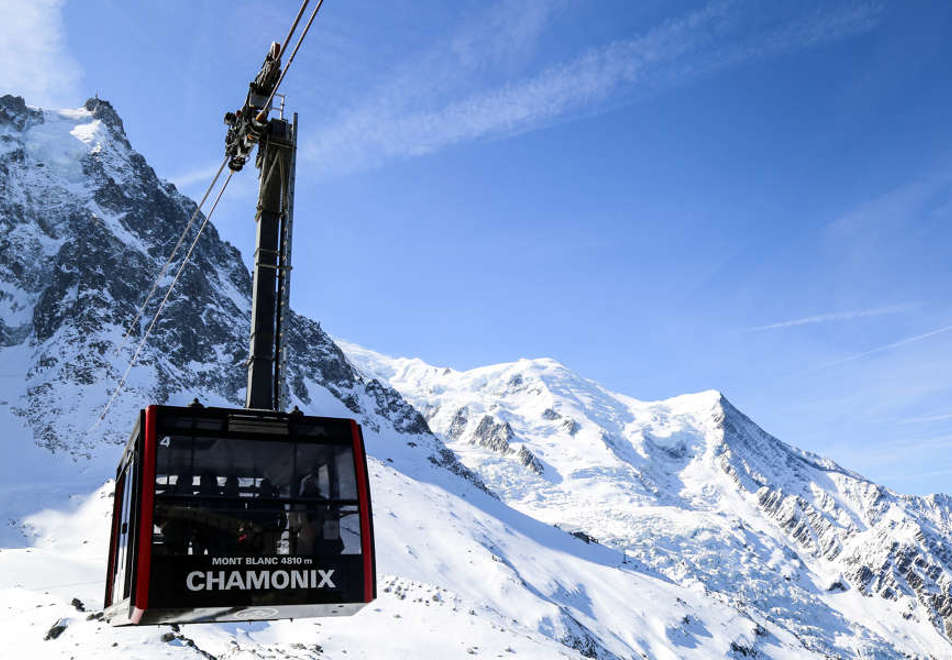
[(262, 115), (165, 299), (297, 19), (165, 268)]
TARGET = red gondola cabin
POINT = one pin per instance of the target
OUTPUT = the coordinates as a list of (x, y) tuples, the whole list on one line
[(238, 514)]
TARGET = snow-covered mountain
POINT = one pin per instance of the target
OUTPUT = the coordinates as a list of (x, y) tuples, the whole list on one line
[(693, 489), (713, 539)]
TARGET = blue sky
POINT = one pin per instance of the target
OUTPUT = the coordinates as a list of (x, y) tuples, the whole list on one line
[(665, 196)]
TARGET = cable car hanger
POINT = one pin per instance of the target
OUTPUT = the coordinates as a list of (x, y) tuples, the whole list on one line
[(242, 514)]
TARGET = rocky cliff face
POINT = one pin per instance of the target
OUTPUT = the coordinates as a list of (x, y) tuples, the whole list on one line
[(891, 546), (85, 226)]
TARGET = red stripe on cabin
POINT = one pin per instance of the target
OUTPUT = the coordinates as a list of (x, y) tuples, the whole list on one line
[(147, 485), (363, 497)]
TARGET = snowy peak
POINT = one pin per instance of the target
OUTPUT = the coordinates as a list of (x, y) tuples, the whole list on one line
[(66, 146), (87, 225), (103, 111), (694, 489)]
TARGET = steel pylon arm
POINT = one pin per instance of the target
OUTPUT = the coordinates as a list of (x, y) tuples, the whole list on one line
[(272, 264)]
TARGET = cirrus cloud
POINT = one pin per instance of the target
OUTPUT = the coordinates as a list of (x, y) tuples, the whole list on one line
[(425, 113)]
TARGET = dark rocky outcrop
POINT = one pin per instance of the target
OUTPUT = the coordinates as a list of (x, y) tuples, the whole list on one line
[(493, 435), (458, 425), (528, 459)]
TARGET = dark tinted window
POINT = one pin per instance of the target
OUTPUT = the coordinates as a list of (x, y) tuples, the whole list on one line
[(221, 496)]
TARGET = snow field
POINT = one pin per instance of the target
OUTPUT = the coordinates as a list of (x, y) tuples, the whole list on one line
[(461, 575)]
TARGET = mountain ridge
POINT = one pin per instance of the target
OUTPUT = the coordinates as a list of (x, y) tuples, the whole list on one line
[(676, 454)]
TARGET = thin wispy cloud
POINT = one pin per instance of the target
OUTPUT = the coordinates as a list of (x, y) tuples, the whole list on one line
[(926, 419), (896, 452), (889, 224), (925, 199), (34, 60), (195, 182), (419, 116), (887, 347), (504, 33), (201, 175), (835, 316)]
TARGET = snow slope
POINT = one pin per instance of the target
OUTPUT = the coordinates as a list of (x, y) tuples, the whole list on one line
[(459, 571)]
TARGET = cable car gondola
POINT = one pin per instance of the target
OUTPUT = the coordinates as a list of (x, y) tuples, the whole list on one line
[(224, 514), (251, 513)]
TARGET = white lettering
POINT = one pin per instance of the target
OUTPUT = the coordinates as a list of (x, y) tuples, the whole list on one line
[(261, 561), (326, 578), (190, 581), (245, 580), (211, 580), (279, 579), (258, 579), (235, 581), (225, 561)]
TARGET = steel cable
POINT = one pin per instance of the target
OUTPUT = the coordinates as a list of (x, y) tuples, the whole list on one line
[(294, 25), (261, 115), (165, 268), (165, 299)]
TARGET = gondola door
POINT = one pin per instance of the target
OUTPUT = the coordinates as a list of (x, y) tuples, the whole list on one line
[(125, 531)]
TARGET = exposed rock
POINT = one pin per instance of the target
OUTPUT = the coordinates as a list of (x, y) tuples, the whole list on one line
[(493, 435), (55, 630), (823, 526), (570, 426), (656, 465), (582, 536), (528, 459), (458, 425)]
